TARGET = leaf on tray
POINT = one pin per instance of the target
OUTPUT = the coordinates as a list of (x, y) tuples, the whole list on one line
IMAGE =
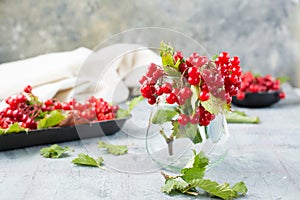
[(240, 117), (86, 160), (113, 149), (14, 128), (50, 120), (121, 113), (54, 151)]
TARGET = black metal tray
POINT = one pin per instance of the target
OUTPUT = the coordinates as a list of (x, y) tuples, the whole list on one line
[(60, 134)]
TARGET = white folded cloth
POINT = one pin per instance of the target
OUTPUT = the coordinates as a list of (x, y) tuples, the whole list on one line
[(108, 72)]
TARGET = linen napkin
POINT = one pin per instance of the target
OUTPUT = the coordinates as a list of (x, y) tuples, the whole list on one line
[(109, 72)]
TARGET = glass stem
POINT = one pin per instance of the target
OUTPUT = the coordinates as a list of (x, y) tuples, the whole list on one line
[(169, 141)]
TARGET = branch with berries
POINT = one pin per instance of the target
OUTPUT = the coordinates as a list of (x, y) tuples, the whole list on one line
[(198, 88)]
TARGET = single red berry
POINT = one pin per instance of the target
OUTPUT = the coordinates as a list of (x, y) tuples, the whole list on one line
[(235, 61), (183, 119), (159, 91), (28, 89), (178, 56), (186, 92), (166, 87), (224, 57), (194, 80), (171, 98), (204, 95), (152, 100), (281, 95), (143, 80), (240, 95)]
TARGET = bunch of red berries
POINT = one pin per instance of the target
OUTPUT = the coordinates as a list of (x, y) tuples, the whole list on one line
[(219, 78), (26, 109), (256, 84)]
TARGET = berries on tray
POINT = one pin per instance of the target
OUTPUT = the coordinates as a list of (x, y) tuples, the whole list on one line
[(26, 111), (258, 84)]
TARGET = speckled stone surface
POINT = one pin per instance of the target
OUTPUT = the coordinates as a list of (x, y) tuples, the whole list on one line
[(262, 33), (265, 156)]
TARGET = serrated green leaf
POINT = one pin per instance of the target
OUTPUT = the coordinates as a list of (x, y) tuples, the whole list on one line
[(54, 151), (175, 129), (214, 105), (51, 120), (167, 60), (173, 185), (220, 190), (86, 160), (240, 187), (15, 128), (197, 171), (113, 149), (240, 117), (163, 115), (193, 178), (172, 71), (1, 131)]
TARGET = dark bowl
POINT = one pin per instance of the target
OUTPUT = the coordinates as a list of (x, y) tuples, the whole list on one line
[(257, 100)]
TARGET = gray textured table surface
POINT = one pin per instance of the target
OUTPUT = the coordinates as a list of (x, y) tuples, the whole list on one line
[(265, 156)]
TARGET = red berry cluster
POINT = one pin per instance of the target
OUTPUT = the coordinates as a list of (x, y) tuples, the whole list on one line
[(230, 72), (220, 78), (256, 84), (27, 110)]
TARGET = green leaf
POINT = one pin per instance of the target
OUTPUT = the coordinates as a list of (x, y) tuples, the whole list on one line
[(175, 129), (172, 71), (165, 49), (167, 60), (197, 171), (215, 57), (50, 120), (1, 131), (176, 66), (240, 187), (173, 185), (15, 128), (86, 160), (240, 117), (223, 191), (283, 79), (133, 102), (191, 131), (54, 151), (193, 178), (113, 149), (121, 113), (163, 115), (215, 105)]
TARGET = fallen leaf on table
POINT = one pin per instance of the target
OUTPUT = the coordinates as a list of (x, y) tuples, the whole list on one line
[(237, 116), (113, 149), (86, 160)]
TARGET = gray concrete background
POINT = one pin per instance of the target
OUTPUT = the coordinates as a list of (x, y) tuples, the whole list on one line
[(263, 33)]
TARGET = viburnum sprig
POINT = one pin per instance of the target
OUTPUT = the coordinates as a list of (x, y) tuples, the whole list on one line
[(201, 87)]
